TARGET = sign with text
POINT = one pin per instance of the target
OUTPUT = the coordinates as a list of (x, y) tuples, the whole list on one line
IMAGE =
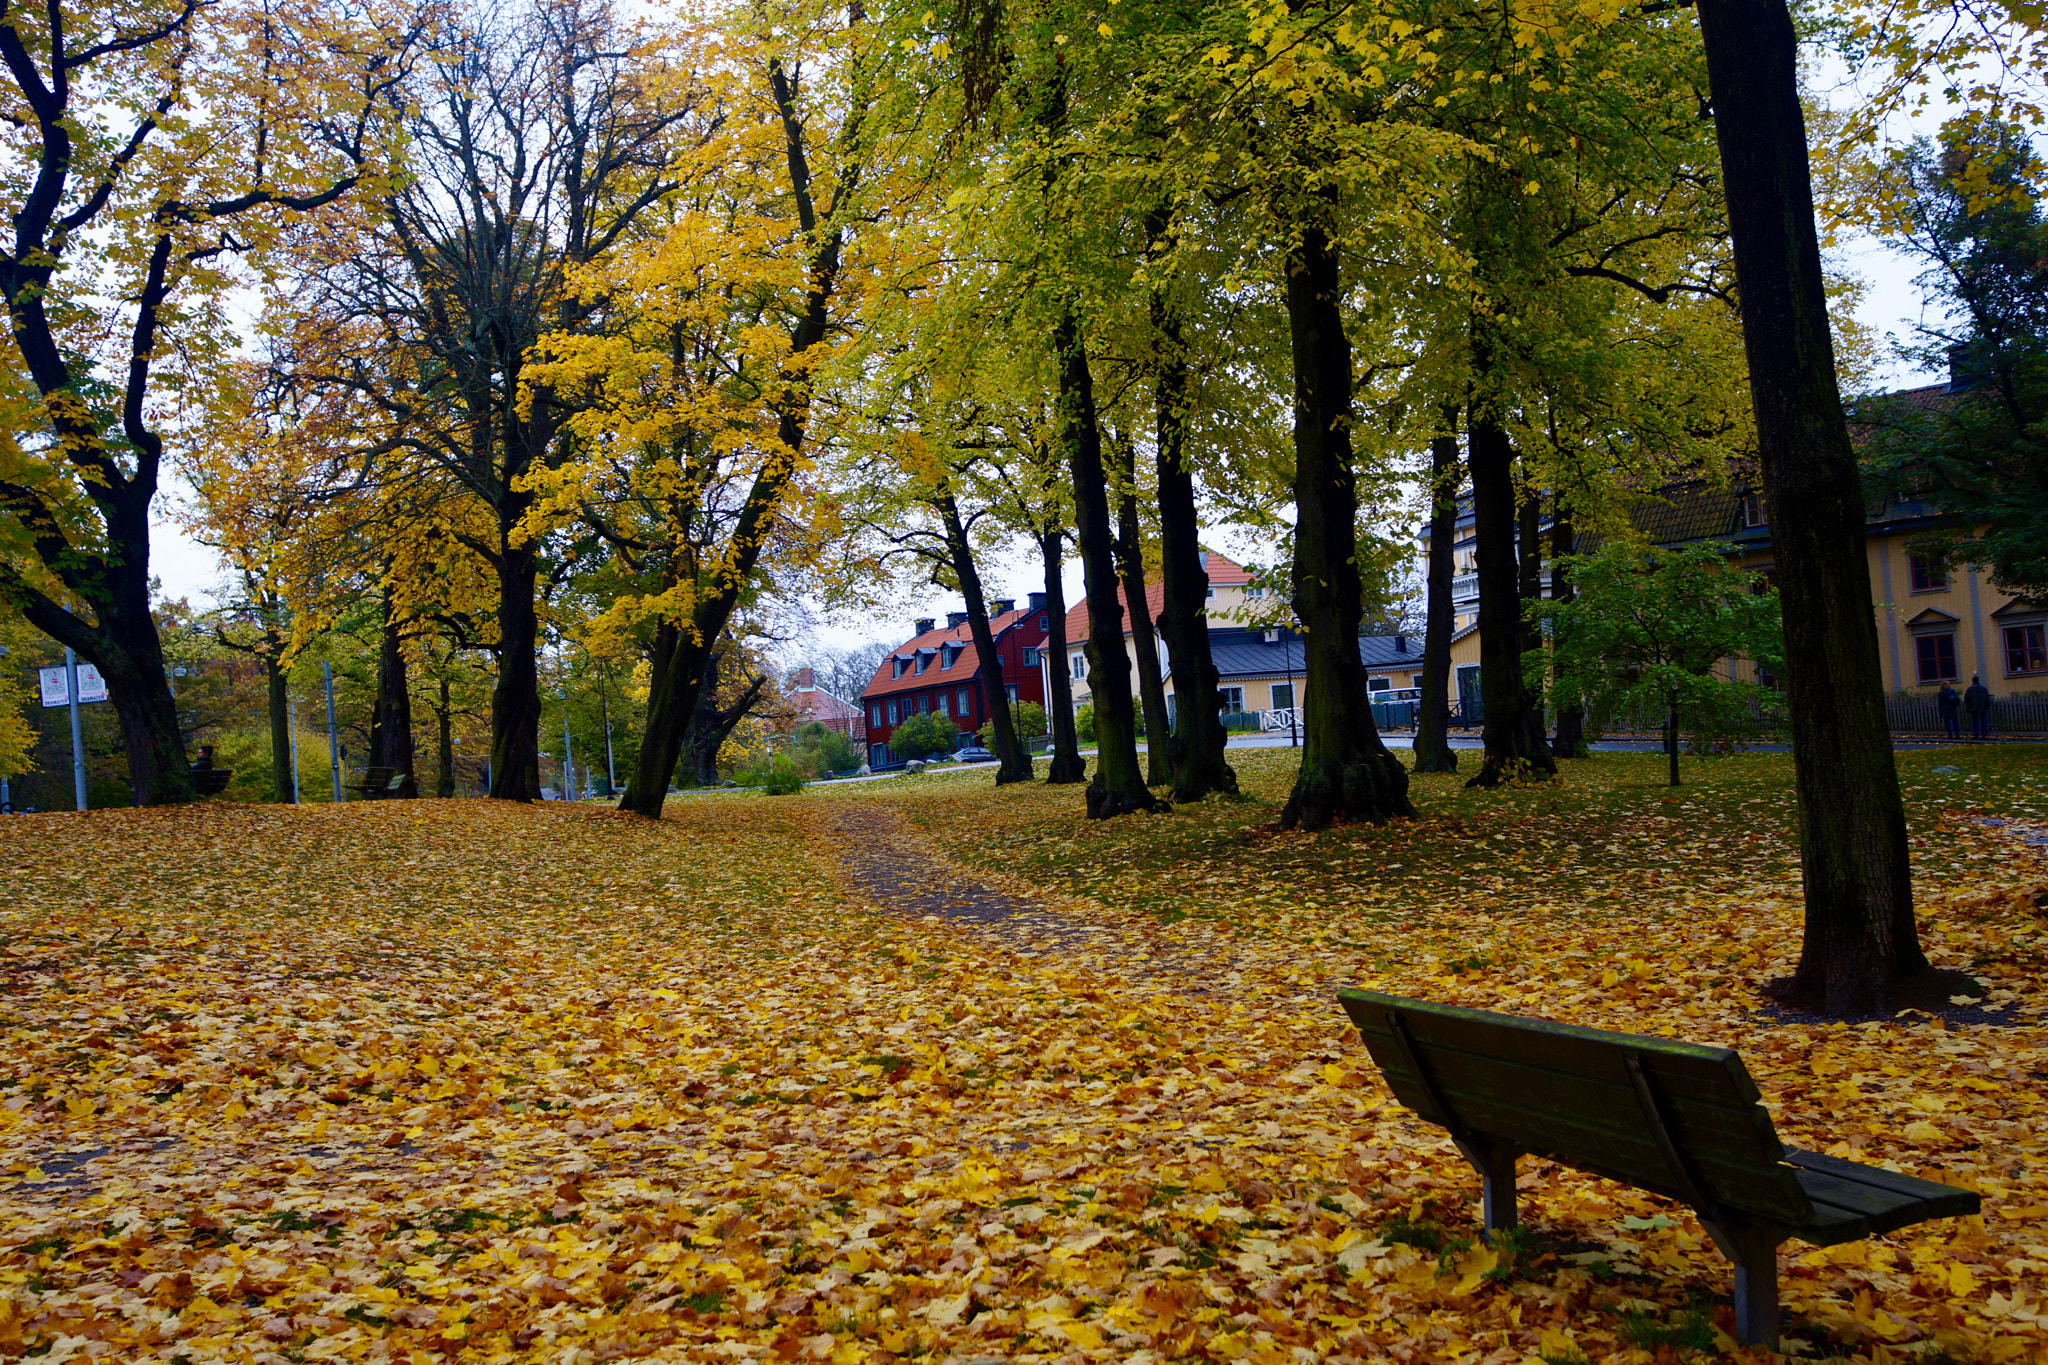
[(57, 685)]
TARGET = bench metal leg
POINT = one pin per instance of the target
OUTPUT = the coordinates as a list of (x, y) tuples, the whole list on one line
[(1755, 1254), (1496, 1167)]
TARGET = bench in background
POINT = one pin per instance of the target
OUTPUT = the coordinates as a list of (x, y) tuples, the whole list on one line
[(1677, 1119), (379, 782)]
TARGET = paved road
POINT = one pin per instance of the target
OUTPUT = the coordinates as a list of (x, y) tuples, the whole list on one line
[(1281, 741)]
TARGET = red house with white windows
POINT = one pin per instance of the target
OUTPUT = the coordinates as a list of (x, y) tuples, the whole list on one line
[(939, 670)]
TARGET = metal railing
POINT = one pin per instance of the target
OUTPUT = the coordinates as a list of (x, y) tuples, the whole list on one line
[(2026, 713)]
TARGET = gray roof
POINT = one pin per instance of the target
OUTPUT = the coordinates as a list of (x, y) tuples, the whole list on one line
[(1246, 655)]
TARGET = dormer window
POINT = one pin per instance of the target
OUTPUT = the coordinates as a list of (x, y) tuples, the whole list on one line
[(948, 654), (897, 666), (1753, 511), (924, 660)]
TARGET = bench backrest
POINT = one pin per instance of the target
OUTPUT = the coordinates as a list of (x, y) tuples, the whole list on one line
[(1675, 1118)]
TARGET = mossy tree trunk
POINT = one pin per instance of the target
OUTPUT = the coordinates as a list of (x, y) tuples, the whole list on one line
[(1433, 751), (1513, 732), (1013, 764), (1066, 763), (1346, 769), (1119, 784), (1861, 941), (1571, 716), (391, 744), (1130, 553), (1195, 750)]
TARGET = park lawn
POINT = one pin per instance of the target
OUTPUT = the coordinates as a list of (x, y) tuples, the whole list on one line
[(449, 1080)]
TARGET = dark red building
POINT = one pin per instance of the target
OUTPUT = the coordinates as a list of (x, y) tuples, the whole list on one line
[(939, 670)]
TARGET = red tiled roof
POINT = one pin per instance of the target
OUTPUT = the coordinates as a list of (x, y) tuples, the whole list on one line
[(963, 669), (1223, 573)]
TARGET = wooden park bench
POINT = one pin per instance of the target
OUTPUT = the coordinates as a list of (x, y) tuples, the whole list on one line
[(211, 781), (1677, 1119), (379, 782)]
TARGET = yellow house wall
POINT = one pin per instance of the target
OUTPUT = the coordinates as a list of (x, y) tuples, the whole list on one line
[(1969, 597)]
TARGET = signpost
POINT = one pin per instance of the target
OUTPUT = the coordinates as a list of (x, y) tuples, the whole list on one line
[(333, 744), (67, 685)]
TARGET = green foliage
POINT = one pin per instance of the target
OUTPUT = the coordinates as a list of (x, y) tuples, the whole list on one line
[(1030, 720), (820, 750), (1969, 210), (1651, 633), (924, 735), (1084, 722), (773, 775), (1692, 1331)]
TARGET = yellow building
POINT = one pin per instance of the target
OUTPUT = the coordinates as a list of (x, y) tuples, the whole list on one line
[(1934, 625)]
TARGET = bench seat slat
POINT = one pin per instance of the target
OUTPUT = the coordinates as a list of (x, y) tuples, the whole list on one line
[(1899, 1183), (1848, 1204)]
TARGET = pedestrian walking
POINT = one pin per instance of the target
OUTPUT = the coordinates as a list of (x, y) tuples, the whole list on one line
[(1949, 702), (1977, 701)]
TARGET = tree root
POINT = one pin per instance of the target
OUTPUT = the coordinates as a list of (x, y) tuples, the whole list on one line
[(1372, 788)]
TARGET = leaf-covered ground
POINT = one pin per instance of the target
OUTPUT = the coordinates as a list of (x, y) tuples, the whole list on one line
[(449, 1080)]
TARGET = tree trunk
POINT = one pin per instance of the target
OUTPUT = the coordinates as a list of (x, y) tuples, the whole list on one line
[(1513, 732), (1346, 769), (1433, 751), (1130, 545), (1671, 738), (391, 743), (515, 701), (1197, 746), (705, 736), (661, 738), (1860, 935), (1529, 587), (1013, 764), (444, 721), (1119, 785), (1571, 715), (1066, 747), (280, 731), (704, 739)]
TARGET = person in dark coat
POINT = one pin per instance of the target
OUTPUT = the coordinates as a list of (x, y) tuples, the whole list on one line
[(1949, 702), (1977, 701)]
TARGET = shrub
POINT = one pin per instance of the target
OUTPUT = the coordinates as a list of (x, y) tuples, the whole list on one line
[(1029, 718), (1084, 722), (774, 776), (923, 735), (820, 750)]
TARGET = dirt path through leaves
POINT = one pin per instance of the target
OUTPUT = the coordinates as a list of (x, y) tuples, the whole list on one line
[(888, 861)]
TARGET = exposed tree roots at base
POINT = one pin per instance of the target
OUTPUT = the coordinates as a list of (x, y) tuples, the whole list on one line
[(1373, 788), (1106, 803), (1854, 994), (1064, 771)]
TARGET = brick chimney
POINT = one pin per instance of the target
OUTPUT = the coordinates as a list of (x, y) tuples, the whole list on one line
[(806, 680), (955, 618), (924, 625), (1005, 605), (1037, 600)]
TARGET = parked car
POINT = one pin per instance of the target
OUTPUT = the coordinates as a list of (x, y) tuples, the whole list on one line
[(974, 753)]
